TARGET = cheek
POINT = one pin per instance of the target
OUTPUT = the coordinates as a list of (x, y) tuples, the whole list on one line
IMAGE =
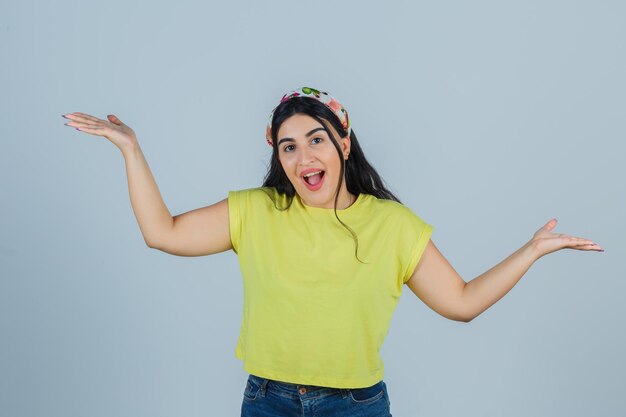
[(288, 167), (333, 161)]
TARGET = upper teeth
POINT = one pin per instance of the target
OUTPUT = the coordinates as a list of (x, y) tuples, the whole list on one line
[(312, 173)]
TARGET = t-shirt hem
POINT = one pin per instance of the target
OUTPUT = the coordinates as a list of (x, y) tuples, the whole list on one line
[(234, 219), (420, 246), (315, 381)]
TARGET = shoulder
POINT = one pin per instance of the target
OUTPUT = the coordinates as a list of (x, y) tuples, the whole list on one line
[(255, 192), (256, 196), (392, 210), (391, 207)]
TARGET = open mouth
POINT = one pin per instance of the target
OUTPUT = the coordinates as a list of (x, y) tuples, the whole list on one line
[(314, 180)]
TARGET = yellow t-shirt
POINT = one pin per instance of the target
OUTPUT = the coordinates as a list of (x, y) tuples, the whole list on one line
[(312, 313)]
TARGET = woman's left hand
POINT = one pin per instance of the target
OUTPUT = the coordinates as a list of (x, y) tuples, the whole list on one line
[(545, 241)]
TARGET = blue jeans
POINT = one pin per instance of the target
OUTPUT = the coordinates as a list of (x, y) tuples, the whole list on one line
[(269, 398)]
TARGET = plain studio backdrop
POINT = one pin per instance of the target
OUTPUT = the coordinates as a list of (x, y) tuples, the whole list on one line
[(486, 118)]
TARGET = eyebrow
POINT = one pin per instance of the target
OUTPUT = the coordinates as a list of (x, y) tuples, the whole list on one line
[(307, 135)]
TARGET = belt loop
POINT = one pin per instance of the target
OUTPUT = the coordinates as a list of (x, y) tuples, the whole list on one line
[(263, 386), (344, 392)]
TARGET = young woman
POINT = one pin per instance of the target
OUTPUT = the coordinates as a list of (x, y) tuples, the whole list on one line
[(324, 250)]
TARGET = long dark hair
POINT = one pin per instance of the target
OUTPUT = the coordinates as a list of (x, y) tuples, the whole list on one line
[(361, 177)]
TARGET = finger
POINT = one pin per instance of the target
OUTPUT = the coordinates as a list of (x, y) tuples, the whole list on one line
[(99, 131), (584, 243), (578, 240), (582, 239), (83, 124), (114, 119), (590, 247), (547, 227), (82, 117), (551, 224), (94, 128)]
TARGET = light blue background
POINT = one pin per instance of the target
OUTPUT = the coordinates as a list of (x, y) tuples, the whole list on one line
[(487, 118)]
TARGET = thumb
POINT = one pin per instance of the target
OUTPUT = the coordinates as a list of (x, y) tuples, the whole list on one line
[(113, 119), (551, 224)]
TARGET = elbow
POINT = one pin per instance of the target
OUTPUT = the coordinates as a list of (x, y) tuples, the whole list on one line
[(457, 313), (465, 317), (467, 313), (468, 316)]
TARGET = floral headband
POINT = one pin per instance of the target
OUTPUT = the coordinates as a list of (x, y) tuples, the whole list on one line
[(322, 96)]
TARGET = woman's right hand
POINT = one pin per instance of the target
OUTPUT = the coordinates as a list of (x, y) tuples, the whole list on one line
[(113, 129)]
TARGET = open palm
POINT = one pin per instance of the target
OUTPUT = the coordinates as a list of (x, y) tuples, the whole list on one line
[(546, 241), (113, 129)]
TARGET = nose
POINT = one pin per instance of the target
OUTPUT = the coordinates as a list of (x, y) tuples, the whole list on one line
[(305, 156)]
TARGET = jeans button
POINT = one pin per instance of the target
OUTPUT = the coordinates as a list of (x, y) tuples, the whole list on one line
[(302, 390)]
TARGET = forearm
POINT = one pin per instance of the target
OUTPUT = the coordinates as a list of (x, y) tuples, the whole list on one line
[(483, 291), (151, 212)]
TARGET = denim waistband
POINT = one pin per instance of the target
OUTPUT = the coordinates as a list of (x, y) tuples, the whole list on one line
[(294, 390)]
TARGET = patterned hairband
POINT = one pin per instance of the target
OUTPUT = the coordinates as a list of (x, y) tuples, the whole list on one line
[(322, 96)]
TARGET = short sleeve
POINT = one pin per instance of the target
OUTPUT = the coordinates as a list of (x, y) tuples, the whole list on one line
[(420, 233), (234, 218)]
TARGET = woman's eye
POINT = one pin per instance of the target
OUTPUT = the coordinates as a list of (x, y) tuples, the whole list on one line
[(288, 148)]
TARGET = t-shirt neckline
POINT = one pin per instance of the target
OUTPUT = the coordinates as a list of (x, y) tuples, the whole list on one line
[(322, 210)]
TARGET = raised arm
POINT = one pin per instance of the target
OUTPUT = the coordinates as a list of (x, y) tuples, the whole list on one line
[(203, 231), (440, 287)]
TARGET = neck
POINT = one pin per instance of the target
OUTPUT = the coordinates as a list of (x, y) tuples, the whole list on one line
[(343, 203), (351, 200)]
